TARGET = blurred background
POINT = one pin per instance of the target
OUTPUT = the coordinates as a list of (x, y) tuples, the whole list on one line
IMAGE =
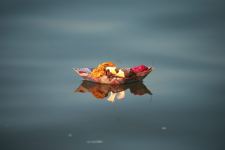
[(41, 41)]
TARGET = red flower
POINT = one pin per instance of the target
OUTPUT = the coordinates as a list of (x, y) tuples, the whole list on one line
[(140, 68)]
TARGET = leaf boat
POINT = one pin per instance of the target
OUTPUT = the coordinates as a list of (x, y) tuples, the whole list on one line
[(85, 73)]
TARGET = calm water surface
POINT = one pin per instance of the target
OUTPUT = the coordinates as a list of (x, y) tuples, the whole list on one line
[(41, 42), (41, 111)]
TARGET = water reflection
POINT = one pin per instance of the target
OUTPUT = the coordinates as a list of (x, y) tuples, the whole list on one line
[(112, 92)]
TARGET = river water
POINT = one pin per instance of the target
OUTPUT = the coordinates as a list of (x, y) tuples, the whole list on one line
[(41, 43)]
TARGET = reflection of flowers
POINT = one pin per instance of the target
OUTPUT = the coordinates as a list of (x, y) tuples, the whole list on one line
[(98, 93), (101, 91)]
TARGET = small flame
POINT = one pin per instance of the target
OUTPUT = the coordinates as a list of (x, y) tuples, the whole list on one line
[(120, 74), (113, 71)]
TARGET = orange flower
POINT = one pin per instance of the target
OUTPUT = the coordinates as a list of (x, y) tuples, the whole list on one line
[(100, 70)]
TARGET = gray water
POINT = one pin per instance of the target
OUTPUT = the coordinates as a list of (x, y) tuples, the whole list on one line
[(41, 41)]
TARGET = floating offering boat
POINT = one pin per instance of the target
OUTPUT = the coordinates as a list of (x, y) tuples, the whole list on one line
[(108, 73)]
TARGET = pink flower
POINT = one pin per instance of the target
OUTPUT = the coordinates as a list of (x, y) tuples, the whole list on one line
[(140, 68)]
